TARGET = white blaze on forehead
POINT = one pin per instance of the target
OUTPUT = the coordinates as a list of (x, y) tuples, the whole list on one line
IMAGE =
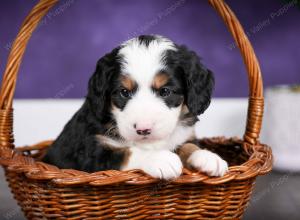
[(142, 62)]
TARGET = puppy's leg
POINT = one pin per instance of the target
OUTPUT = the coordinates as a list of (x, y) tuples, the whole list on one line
[(202, 160), (161, 164)]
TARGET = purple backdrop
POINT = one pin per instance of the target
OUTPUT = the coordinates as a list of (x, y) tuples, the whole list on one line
[(63, 51)]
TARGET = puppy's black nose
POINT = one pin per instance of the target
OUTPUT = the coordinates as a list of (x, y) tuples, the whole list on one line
[(144, 132)]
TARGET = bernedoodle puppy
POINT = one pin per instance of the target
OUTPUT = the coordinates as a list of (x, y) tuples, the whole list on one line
[(140, 111)]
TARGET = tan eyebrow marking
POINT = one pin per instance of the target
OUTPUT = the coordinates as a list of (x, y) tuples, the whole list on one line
[(127, 82), (160, 80)]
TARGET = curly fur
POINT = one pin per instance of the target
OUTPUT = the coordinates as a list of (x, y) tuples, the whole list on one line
[(91, 140)]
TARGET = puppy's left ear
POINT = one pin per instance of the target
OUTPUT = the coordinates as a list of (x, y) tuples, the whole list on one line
[(199, 81)]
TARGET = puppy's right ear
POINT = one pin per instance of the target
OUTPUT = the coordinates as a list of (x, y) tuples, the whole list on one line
[(101, 82)]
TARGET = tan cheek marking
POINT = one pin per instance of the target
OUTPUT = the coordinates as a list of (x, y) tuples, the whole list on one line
[(127, 155), (185, 151), (184, 110), (113, 106), (106, 143), (160, 80), (127, 82), (186, 118)]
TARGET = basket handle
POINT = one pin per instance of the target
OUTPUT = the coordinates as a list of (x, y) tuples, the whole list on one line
[(255, 108), (256, 96)]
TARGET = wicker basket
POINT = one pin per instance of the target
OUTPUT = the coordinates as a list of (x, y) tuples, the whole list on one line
[(46, 192)]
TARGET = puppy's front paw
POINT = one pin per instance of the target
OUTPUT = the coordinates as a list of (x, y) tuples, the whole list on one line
[(208, 162), (163, 165)]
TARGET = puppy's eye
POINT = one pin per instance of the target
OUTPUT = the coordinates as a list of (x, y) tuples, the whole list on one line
[(125, 93), (164, 92)]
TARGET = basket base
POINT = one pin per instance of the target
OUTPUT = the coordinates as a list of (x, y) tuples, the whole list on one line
[(41, 200), (190, 199)]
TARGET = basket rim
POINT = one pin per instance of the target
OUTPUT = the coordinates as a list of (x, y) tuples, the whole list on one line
[(259, 163)]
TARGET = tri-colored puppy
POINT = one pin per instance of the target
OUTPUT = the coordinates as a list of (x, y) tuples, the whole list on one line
[(142, 104)]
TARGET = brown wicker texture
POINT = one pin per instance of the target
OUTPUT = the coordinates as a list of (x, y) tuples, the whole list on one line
[(46, 192)]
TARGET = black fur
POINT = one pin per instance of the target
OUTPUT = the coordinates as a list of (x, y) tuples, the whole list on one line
[(198, 80), (116, 98), (146, 39), (77, 146), (175, 85), (102, 83)]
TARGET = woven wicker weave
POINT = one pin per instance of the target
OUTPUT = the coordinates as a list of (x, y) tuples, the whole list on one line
[(46, 192)]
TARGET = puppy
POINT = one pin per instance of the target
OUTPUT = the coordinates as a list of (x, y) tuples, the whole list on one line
[(142, 104)]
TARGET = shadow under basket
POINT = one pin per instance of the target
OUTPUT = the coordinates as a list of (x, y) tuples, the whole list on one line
[(46, 192)]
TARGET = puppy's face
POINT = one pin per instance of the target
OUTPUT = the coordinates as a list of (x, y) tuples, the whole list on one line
[(147, 109), (149, 81)]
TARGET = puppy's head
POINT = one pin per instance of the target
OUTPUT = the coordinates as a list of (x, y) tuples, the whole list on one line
[(147, 85)]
